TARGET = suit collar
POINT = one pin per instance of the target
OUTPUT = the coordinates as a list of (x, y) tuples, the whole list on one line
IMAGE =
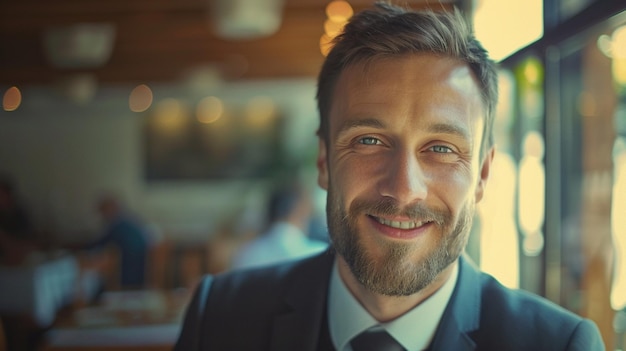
[(462, 316), (299, 327)]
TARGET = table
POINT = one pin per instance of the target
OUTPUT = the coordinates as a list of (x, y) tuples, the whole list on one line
[(122, 320), (39, 288)]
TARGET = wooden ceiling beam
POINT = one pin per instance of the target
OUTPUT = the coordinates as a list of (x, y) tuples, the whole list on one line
[(161, 40)]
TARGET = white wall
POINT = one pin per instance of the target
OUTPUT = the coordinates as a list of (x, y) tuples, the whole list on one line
[(63, 155)]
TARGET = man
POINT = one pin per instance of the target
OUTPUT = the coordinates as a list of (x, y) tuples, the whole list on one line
[(290, 211), (406, 101), (18, 240), (130, 237)]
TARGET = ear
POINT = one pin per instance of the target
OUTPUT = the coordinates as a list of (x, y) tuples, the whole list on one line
[(485, 170), (322, 165)]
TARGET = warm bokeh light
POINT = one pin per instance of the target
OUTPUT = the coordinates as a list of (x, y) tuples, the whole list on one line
[(169, 116), (12, 99), (614, 45), (533, 71), (531, 193), (605, 45), (209, 109), (618, 225), (332, 28), (140, 98), (619, 71), (533, 243), (339, 11), (499, 237), (260, 112), (325, 44), (533, 145), (530, 78), (499, 245), (504, 27), (618, 40)]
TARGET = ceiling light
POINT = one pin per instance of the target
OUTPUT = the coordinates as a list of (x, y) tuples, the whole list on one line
[(246, 19), (86, 45)]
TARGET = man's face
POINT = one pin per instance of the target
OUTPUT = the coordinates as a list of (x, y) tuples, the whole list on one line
[(402, 169)]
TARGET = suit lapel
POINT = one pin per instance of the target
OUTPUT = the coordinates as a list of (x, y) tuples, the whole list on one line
[(305, 303), (462, 316)]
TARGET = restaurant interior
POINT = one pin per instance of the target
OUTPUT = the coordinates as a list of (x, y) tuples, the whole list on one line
[(189, 112)]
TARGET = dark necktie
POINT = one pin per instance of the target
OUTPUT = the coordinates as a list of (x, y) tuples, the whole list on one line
[(375, 340)]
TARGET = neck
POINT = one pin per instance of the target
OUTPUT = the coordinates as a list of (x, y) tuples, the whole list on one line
[(386, 308)]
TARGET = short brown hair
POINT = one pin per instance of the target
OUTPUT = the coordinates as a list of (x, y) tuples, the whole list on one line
[(388, 30)]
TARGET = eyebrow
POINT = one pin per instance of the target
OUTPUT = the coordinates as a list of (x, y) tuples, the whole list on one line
[(439, 128), (357, 123), (447, 128)]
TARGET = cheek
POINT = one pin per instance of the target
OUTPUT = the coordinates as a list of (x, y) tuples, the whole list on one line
[(356, 174), (454, 187)]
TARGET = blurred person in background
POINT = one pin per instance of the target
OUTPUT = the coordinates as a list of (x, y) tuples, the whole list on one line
[(17, 237), (130, 237), (18, 241), (406, 101), (290, 211)]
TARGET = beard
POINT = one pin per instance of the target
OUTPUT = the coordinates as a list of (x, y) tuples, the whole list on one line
[(395, 273)]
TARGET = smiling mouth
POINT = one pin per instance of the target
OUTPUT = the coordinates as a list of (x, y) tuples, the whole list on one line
[(400, 224)]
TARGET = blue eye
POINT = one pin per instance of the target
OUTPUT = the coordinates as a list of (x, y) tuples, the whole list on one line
[(441, 149), (369, 141)]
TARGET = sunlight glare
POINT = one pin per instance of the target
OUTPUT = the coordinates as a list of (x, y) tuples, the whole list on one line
[(532, 180), (504, 27), (618, 225), (499, 253)]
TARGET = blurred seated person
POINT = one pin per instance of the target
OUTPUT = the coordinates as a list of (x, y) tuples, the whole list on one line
[(18, 243), (289, 214), (129, 236), (17, 238)]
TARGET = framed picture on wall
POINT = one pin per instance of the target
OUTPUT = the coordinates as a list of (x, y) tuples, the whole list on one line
[(236, 142)]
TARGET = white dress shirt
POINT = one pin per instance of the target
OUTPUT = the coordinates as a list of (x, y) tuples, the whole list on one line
[(283, 241), (414, 329)]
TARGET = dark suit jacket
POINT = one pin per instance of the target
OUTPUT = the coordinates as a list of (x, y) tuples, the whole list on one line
[(283, 307)]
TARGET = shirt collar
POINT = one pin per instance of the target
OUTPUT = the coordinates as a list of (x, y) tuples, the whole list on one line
[(347, 318)]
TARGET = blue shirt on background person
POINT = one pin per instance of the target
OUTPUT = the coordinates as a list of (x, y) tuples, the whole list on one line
[(129, 236)]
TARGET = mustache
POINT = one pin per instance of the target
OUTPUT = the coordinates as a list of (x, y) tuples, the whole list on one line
[(390, 207)]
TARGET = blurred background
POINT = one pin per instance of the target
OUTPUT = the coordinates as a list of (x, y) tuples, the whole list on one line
[(189, 113)]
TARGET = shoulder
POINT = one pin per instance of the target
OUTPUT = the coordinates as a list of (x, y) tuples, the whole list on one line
[(523, 318), (500, 300), (261, 279), (249, 300), (267, 283)]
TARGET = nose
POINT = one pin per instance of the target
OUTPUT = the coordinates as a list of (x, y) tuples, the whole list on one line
[(404, 180)]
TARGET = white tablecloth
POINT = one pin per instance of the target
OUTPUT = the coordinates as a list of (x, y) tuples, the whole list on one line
[(40, 289)]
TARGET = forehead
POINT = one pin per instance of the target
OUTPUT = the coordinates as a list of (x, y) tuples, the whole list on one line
[(419, 82), (428, 71)]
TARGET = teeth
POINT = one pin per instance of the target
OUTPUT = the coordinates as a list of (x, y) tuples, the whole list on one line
[(399, 224)]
